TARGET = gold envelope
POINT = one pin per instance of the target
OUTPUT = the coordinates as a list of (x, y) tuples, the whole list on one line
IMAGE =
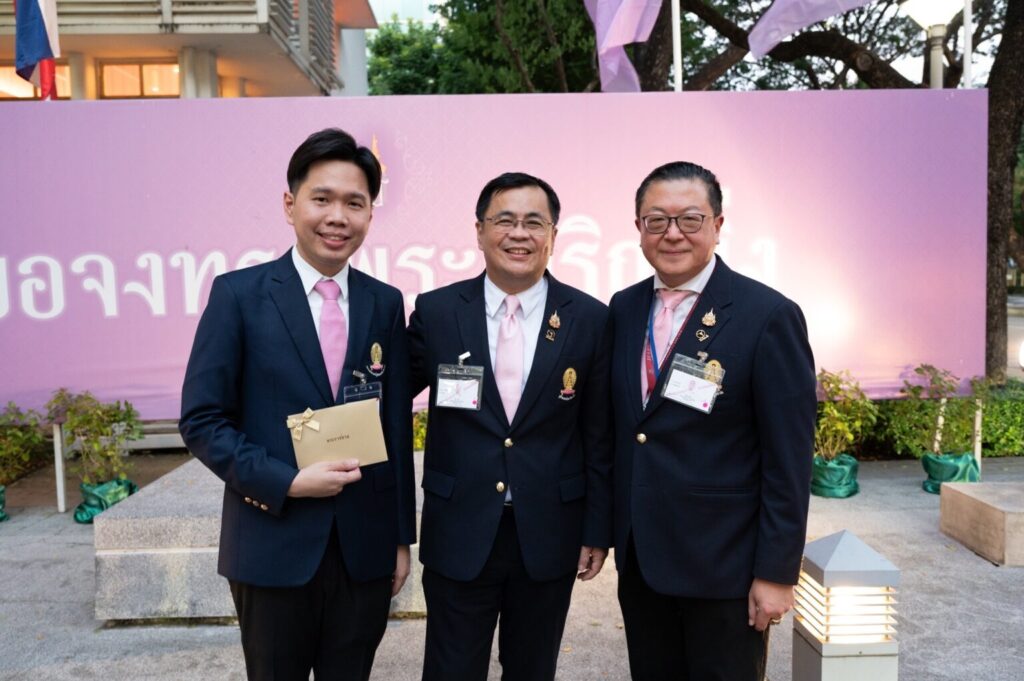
[(345, 431)]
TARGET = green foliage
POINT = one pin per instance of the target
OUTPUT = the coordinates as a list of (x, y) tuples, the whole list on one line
[(1002, 418), (468, 53), (22, 442), (910, 424), (844, 414), (99, 429), (419, 430), (405, 60)]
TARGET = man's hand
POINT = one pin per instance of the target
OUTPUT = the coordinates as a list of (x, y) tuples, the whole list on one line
[(590, 563), (325, 478), (402, 567), (767, 603)]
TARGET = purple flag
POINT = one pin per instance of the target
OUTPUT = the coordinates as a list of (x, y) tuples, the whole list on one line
[(786, 17), (618, 23)]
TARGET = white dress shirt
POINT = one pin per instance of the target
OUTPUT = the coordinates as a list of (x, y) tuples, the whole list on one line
[(530, 315), (696, 284), (310, 277)]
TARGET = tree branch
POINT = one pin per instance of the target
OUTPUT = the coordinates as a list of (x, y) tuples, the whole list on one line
[(715, 69), (553, 42), (499, 14)]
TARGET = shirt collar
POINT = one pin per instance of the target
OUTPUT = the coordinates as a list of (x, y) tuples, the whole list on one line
[(696, 284), (529, 299), (310, 276)]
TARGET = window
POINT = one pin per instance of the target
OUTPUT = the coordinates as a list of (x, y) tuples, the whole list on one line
[(13, 86), (121, 80)]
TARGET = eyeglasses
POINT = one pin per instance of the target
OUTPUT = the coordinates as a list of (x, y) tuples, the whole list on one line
[(688, 223), (506, 223)]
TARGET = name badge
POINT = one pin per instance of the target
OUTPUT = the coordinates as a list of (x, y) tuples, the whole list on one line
[(693, 383), (459, 386), (362, 390)]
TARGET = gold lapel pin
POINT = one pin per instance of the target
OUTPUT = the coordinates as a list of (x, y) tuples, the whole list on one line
[(568, 383), (702, 335), (709, 318), (549, 334), (376, 355), (554, 322)]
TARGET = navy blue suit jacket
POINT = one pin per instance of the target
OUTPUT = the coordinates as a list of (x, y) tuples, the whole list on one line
[(714, 500), (256, 359), (555, 455)]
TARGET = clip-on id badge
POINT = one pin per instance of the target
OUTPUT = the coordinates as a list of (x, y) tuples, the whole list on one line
[(459, 386), (362, 390), (694, 383)]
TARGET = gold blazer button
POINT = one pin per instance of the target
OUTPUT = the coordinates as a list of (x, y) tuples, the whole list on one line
[(641, 438), (508, 442), (500, 487)]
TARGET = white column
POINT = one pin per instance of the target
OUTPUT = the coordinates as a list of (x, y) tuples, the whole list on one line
[(197, 73), (352, 63), (187, 86), (936, 38), (76, 67)]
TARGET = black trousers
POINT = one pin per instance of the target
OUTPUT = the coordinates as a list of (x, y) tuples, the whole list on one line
[(687, 639), (330, 625), (461, 617)]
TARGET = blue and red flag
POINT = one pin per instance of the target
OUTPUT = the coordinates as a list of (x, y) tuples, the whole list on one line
[(36, 44)]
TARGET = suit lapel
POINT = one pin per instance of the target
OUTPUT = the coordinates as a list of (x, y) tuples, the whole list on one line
[(548, 351), (471, 316), (636, 330), (361, 302), (293, 306), (716, 297)]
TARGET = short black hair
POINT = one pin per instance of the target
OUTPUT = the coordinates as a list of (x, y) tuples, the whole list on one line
[(515, 181), (333, 144), (683, 170)]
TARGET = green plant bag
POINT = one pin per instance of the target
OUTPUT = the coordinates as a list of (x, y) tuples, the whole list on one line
[(3, 503), (835, 479), (98, 498), (948, 468)]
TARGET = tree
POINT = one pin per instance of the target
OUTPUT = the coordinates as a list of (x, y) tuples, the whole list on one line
[(406, 60)]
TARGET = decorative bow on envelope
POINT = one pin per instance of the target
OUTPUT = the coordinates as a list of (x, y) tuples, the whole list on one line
[(295, 423)]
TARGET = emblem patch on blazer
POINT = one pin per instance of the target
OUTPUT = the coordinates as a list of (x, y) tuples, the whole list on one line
[(376, 356), (568, 385), (709, 318)]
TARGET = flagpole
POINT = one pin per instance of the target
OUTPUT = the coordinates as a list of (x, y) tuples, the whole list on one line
[(677, 46), (968, 40)]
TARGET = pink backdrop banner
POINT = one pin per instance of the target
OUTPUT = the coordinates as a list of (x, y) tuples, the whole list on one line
[(867, 208)]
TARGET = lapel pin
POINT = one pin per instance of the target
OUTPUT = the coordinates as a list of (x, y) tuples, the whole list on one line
[(376, 355), (709, 318), (554, 322), (549, 334), (702, 335), (568, 383), (702, 356)]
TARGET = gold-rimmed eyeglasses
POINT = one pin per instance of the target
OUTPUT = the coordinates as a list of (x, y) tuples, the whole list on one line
[(506, 223)]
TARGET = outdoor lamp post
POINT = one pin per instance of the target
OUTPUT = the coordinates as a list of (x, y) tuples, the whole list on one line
[(932, 16), (845, 623)]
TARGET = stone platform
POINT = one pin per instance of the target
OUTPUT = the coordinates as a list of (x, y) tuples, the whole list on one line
[(986, 517), (156, 553)]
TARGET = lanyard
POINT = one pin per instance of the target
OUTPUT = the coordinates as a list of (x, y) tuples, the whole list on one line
[(652, 353)]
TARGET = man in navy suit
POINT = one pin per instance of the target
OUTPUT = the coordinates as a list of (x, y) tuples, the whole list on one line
[(517, 460), (711, 492), (313, 556)]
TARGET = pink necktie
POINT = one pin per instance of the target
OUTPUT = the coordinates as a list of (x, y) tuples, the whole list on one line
[(670, 300), (333, 332), (508, 359)]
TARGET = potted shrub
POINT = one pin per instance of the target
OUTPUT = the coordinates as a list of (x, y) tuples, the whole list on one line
[(935, 425), (844, 414), (98, 432), (22, 446)]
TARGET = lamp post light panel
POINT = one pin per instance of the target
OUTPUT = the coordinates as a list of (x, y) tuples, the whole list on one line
[(845, 623), (928, 13)]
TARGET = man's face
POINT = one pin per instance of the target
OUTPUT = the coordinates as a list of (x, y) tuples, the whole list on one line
[(678, 257), (516, 257), (331, 213)]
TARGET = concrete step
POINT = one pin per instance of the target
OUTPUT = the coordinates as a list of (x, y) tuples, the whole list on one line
[(986, 517)]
